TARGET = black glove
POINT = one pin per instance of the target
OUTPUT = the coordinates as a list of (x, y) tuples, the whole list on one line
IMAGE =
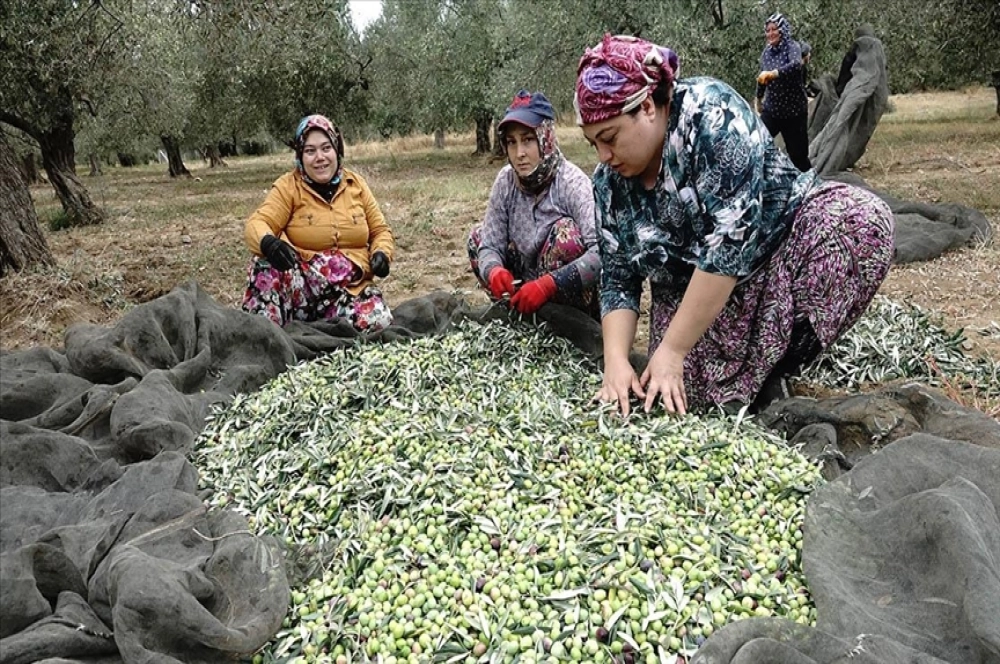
[(380, 265), (279, 253)]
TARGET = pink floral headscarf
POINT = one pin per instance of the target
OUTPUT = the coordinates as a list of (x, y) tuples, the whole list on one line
[(618, 74), (322, 123)]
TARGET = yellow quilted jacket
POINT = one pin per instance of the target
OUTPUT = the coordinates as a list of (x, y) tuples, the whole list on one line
[(352, 222)]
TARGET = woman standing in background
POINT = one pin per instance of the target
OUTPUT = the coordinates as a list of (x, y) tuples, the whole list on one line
[(781, 86)]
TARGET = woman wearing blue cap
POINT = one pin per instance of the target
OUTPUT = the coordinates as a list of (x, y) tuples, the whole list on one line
[(537, 242)]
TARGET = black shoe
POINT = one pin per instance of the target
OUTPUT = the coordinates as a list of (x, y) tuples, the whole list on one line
[(775, 388), (732, 408)]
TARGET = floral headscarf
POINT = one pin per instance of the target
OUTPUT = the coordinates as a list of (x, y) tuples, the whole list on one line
[(545, 172), (618, 74), (320, 122)]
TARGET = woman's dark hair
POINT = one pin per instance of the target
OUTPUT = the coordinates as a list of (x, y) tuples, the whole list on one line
[(661, 95)]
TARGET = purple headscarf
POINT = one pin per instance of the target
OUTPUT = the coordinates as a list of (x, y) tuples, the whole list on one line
[(616, 76)]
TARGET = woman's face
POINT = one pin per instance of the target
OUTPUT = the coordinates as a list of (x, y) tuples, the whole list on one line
[(523, 149), (631, 144), (772, 34), (319, 157)]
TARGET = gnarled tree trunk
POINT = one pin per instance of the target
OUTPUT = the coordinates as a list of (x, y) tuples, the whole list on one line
[(175, 164), (59, 156), (59, 162), (21, 240), (439, 139), (229, 149), (95, 165), (996, 84), (499, 149), (484, 119), (214, 156), (30, 169)]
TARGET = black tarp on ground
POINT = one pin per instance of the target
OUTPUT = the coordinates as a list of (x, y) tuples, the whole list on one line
[(105, 547), (925, 230), (108, 553), (838, 141), (840, 431), (840, 127), (902, 557)]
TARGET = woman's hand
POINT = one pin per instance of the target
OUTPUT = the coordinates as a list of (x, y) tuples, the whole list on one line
[(530, 297), (380, 265), (619, 382), (281, 255), (766, 77), (704, 297), (664, 376), (501, 282)]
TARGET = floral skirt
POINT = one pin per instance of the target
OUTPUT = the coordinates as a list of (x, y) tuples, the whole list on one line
[(823, 276), (563, 246), (314, 290)]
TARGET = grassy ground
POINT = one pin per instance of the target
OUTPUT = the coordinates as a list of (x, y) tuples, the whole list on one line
[(161, 232)]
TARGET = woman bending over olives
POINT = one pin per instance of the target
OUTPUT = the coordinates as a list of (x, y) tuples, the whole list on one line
[(754, 266)]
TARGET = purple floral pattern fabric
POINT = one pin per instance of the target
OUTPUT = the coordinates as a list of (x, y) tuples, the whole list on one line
[(616, 75), (314, 290), (826, 272), (564, 245)]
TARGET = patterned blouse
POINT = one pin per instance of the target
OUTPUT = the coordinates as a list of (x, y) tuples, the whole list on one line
[(723, 200), (526, 220)]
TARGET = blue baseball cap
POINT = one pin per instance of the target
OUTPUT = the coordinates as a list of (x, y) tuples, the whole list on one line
[(529, 109)]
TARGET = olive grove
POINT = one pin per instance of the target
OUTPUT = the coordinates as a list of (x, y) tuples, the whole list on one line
[(114, 82)]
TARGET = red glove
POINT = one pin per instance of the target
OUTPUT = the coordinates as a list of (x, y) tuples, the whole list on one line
[(534, 294), (501, 281)]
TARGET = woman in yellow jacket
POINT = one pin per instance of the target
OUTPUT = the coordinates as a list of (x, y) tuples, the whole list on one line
[(319, 239)]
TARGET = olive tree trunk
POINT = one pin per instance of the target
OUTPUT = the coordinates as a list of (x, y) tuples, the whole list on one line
[(996, 85), (484, 120), (214, 156), (499, 149), (95, 165), (59, 158), (175, 163), (21, 241), (59, 162), (30, 169)]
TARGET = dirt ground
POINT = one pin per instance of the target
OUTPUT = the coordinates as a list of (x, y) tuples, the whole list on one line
[(162, 232)]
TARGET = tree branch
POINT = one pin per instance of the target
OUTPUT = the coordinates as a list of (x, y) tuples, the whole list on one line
[(89, 104), (115, 18), (112, 32), (20, 123), (717, 13), (20, 137)]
